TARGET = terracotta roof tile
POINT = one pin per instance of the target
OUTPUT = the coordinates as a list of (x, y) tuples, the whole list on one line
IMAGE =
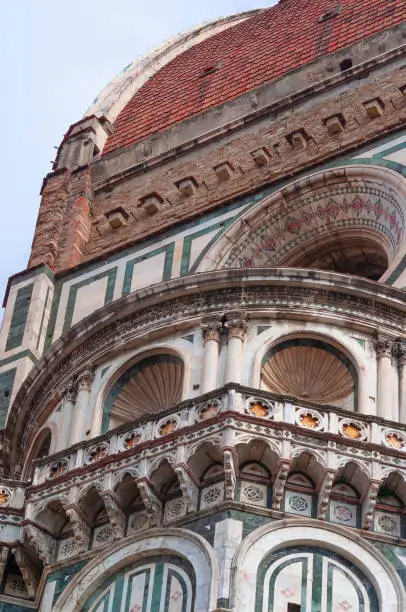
[(258, 50)]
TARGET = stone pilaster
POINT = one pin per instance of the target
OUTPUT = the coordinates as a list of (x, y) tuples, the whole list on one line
[(237, 329), (211, 333), (384, 353)]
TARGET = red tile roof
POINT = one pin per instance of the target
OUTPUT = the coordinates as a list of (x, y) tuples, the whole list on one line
[(258, 50)]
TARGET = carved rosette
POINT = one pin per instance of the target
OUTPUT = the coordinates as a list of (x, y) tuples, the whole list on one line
[(394, 439), (167, 425), (259, 407), (352, 429), (208, 410), (58, 468), (131, 440), (310, 419), (97, 452), (5, 496)]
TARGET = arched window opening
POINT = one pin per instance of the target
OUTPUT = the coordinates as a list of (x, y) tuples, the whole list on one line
[(206, 465), (310, 370), (300, 495), (151, 385), (45, 447), (349, 489), (165, 482), (13, 583), (360, 255), (390, 508), (257, 462)]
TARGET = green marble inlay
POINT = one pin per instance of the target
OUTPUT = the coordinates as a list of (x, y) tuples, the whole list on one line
[(167, 269), (111, 279), (390, 150), (63, 577), (19, 317), (43, 317), (6, 387), (17, 356)]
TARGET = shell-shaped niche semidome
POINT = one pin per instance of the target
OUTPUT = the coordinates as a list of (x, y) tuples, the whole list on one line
[(309, 370), (151, 385)]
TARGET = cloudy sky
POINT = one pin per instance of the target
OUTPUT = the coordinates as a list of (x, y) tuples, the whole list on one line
[(57, 56)]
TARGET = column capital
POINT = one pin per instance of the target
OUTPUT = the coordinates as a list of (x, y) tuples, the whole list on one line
[(211, 328), (383, 346), (237, 326), (85, 379), (399, 351), (69, 391)]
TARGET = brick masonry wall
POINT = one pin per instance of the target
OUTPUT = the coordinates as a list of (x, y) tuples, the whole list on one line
[(65, 244)]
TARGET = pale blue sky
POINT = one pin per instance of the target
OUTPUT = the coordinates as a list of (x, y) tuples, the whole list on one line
[(57, 56)]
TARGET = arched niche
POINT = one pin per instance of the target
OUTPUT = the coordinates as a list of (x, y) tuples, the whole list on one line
[(150, 385), (310, 369), (347, 219), (355, 555), (41, 447)]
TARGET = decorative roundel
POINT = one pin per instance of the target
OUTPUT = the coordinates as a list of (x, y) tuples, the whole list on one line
[(394, 439), (253, 493), (167, 426), (209, 410), (309, 418), (343, 513), (58, 468), (299, 504), (96, 453), (130, 440), (5, 496), (387, 523), (352, 429), (259, 408)]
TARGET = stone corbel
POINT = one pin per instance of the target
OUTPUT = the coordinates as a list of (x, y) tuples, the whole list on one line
[(85, 379), (279, 484), (42, 543), (152, 504), (368, 505), (81, 529), (29, 572), (189, 488), (229, 475), (115, 513), (324, 494)]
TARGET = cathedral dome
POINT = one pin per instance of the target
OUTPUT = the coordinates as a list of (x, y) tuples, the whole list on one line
[(256, 49)]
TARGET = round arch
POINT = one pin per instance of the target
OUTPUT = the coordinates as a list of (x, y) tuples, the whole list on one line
[(346, 201), (355, 357), (326, 536), (158, 542), (125, 365), (48, 432)]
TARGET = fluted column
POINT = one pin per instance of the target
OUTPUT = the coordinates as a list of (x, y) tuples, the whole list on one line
[(80, 419), (385, 382), (68, 401), (237, 329), (401, 363), (211, 330)]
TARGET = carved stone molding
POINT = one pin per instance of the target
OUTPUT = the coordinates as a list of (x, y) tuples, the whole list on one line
[(42, 543), (229, 475), (324, 494), (116, 515), (81, 530), (279, 484), (152, 504), (189, 488), (368, 505)]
